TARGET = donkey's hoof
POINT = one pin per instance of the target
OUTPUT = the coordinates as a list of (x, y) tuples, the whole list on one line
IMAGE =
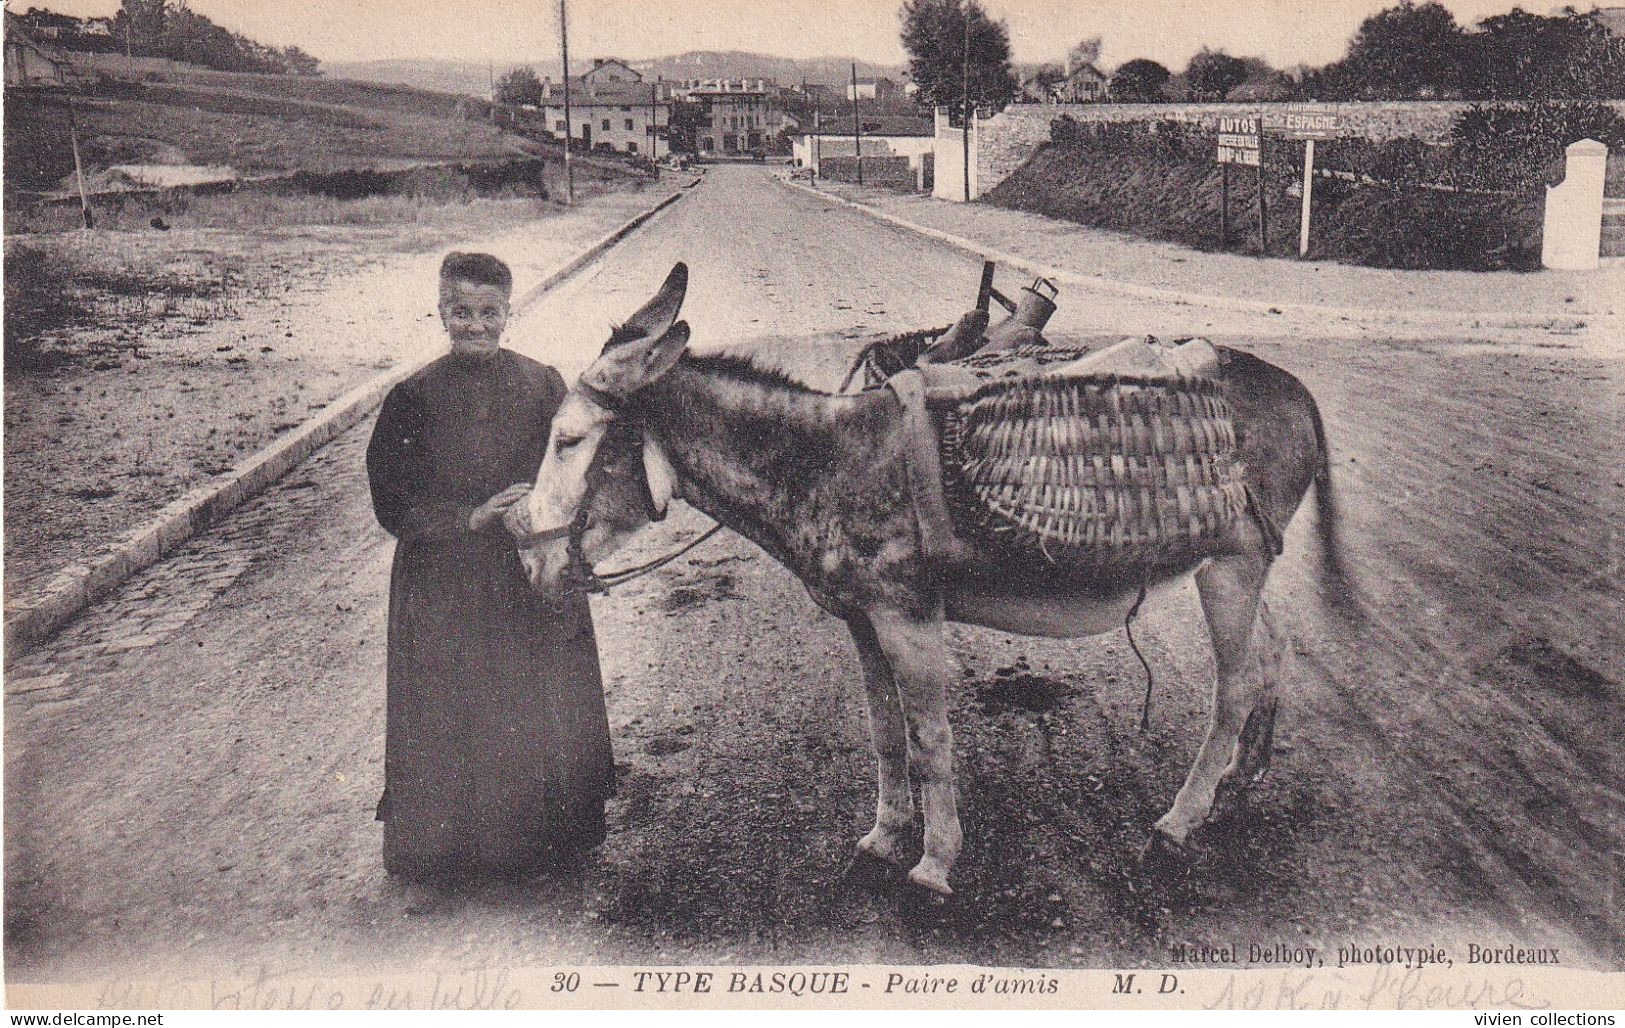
[(1162, 854), (928, 874), (884, 846)]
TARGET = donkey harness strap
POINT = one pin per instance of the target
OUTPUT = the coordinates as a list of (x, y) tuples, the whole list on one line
[(936, 528), (1266, 524)]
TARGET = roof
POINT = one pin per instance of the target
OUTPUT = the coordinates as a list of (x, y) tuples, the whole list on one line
[(887, 125), (719, 91), (602, 94), (600, 63), (879, 125)]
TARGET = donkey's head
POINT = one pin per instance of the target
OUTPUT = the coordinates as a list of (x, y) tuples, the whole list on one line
[(578, 497)]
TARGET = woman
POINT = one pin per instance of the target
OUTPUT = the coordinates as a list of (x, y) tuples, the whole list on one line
[(497, 754)]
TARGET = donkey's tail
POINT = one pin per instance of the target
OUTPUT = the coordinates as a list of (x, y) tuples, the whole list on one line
[(1338, 581)]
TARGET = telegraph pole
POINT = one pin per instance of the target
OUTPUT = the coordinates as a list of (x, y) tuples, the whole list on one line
[(818, 138), (564, 47), (78, 168), (857, 131), (965, 114)]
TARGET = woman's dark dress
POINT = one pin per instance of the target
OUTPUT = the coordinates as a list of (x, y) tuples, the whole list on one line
[(497, 754)]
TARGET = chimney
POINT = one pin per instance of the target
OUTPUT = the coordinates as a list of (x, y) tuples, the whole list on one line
[(597, 62)]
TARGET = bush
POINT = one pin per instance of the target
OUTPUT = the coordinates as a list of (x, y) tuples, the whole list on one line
[(1516, 146), (1159, 180)]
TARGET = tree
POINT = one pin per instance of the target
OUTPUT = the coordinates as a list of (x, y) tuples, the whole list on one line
[(1212, 74), (1139, 81), (1268, 86), (1522, 56), (1087, 51), (519, 87), (144, 20), (299, 62), (934, 35), (683, 129), (1047, 77), (1404, 52)]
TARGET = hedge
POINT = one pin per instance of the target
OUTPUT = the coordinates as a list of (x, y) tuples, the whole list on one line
[(1473, 205)]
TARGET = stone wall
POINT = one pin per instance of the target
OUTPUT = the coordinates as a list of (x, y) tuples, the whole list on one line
[(880, 172), (1003, 142)]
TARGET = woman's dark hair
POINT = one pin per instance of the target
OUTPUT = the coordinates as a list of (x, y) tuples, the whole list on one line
[(479, 268)]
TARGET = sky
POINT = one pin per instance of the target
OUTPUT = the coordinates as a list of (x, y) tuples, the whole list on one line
[(1284, 32)]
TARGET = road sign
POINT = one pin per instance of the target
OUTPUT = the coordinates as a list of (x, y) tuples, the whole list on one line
[(1238, 141), (1306, 121)]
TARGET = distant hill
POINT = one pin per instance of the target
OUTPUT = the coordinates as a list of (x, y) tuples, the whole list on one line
[(474, 79)]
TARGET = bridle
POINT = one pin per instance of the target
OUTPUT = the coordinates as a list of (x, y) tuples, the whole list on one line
[(578, 574)]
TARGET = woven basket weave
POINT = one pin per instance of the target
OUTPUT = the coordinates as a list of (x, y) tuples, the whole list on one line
[(1094, 472)]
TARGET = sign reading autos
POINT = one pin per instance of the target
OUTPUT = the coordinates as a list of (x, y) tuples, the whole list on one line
[(1238, 141)]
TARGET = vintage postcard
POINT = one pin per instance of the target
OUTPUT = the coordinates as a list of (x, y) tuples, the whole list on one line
[(995, 504)]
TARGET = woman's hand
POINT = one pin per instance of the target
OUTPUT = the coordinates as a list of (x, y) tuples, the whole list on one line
[(493, 509)]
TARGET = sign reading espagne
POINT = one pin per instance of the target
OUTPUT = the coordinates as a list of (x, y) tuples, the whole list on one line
[(1305, 121)]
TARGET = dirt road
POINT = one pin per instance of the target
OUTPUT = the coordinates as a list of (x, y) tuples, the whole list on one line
[(192, 768)]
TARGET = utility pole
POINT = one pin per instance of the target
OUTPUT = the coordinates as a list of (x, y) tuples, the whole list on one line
[(1263, 215), (965, 113), (78, 168), (564, 48), (818, 137), (857, 129)]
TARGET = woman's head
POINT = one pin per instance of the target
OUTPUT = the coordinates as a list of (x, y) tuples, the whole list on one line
[(474, 292)]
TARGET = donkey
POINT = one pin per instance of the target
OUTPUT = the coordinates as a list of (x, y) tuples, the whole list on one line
[(820, 481)]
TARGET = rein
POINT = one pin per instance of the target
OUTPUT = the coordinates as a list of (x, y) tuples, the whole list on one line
[(579, 573)]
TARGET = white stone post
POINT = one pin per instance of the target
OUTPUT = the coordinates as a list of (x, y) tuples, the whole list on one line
[(1572, 237)]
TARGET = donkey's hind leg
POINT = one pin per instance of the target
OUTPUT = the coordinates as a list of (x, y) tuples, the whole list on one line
[(1258, 731), (1230, 588), (894, 811)]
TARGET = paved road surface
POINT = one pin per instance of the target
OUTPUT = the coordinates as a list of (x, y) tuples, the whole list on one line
[(191, 768)]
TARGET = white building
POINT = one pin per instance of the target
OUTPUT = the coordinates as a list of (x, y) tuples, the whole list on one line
[(611, 107), (741, 114), (881, 136)]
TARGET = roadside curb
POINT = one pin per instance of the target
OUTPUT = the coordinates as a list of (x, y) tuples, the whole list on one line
[(1463, 319), (32, 619)]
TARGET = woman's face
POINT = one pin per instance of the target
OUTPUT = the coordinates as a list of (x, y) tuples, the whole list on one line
[(474, 315)]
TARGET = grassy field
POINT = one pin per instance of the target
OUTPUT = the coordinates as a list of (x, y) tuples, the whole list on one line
[(253, 123)]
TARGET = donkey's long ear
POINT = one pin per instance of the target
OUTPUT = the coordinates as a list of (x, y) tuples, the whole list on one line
[(664, 354), (626, 369), (654, 318)]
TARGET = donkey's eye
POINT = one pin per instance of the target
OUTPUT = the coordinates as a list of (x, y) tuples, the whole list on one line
[(564, 442)]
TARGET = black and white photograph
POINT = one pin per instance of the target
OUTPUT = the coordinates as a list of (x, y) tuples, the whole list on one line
[(842, 505)]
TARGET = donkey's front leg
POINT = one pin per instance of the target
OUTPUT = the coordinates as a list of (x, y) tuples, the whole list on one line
[(894, 811), (919, 664)]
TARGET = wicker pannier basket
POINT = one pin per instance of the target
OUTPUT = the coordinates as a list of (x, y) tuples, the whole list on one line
[(1097, 473)]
